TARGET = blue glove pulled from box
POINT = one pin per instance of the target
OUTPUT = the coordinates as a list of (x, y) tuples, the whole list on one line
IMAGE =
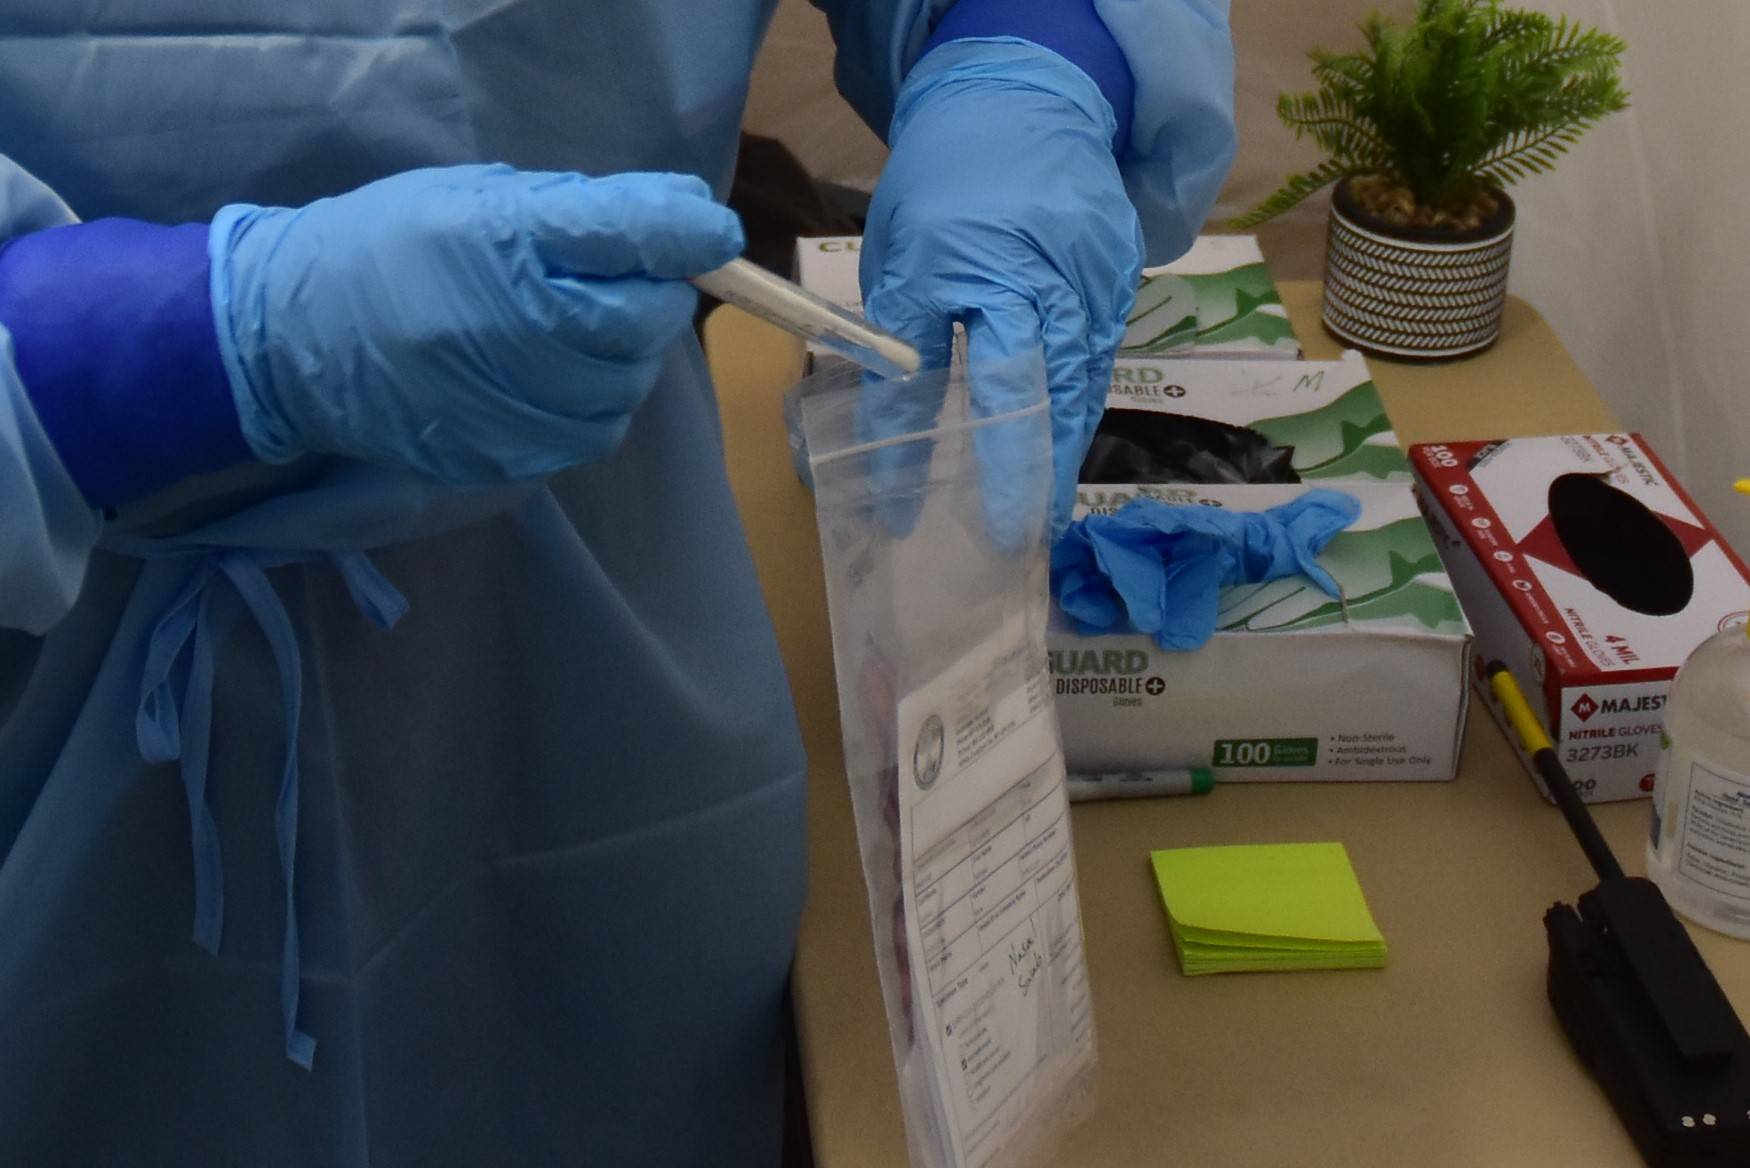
[(1159, 568)]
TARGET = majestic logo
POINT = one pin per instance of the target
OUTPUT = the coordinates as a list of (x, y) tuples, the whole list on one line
[(1645, 704), (1585, 707)]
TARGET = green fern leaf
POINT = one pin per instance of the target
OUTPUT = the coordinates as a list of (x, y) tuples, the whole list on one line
[(1292, 193), (1532, 151), (1513, 26), (1334, 124)]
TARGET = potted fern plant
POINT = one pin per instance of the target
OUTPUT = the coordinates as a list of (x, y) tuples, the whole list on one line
[(1422, 132)]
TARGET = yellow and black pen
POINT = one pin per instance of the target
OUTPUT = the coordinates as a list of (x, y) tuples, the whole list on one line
[(1549, 766)]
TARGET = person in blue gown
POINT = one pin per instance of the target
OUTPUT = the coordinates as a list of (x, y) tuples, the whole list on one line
[(370, 587)]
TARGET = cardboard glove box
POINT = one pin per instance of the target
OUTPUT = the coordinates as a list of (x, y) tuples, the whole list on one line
[(1294, 684), (1587, 568)]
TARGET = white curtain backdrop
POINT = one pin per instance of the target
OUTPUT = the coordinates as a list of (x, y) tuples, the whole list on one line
[(1637, 249)]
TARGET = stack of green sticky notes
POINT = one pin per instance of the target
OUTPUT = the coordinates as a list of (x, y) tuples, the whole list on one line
[(1266, 906)]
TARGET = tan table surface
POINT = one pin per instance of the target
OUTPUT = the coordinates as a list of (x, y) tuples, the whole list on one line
[(1450, 1056)]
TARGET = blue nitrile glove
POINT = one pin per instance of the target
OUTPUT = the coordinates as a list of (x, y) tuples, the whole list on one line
[(1159, 568), (475, 323), (1001, 207)]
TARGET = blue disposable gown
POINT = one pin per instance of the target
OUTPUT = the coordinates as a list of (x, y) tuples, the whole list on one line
[(498, 793)]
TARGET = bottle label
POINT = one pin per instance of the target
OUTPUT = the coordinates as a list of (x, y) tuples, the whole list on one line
[(1701, 822)]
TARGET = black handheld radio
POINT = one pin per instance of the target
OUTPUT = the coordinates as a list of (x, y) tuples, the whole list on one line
[(1637, 1001)]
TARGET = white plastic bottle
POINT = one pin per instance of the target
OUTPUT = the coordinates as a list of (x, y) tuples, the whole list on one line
[(1699, 849)]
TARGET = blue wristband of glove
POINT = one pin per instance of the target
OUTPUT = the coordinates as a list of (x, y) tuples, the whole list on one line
[(112, 327), (1070, 28)]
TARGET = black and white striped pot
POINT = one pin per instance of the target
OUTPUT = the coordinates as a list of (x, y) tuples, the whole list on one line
[(1412, 291)]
